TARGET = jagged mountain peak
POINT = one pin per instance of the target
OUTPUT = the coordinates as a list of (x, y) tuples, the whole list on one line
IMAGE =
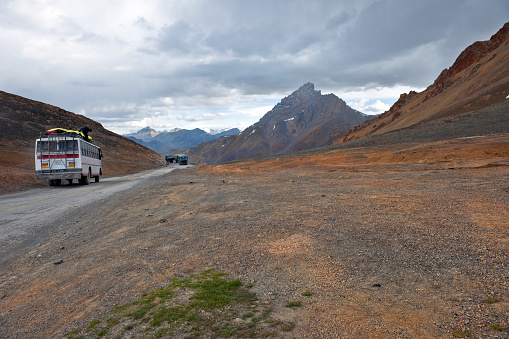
[(305, 101), (305, 92), (307, 89), (304, 119)]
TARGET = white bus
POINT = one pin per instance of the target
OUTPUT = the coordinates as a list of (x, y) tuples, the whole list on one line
[(67, 156)]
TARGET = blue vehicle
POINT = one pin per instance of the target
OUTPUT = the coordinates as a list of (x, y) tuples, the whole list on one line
[(183, 160)]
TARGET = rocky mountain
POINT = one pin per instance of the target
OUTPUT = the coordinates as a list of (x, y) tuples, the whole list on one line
[(478, 78), (303, 120), (23, 120), (145, 134), (166, 142), (222, 130)]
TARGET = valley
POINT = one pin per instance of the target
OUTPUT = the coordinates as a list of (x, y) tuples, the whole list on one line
[(334, 223)]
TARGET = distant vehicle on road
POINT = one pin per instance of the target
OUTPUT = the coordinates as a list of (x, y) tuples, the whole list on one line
[(169, 158), (183, 160), (62, 154)]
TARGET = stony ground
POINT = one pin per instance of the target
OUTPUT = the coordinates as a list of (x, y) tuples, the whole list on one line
[(391, 243)]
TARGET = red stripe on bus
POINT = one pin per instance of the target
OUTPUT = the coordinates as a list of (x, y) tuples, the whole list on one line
[(59, 156)]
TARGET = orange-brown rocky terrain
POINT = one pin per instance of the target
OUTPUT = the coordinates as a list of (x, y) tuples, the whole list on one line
[(392, 240), (23, 120)]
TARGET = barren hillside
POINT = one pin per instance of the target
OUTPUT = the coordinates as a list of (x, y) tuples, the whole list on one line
[(21, 122), (478, 78)]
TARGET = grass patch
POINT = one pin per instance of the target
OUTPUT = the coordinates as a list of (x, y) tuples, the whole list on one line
[(73, 334), (287, 327), (102, 332), (128, 327), (460, 334), (92, 325), (248, 315), (499, 328), (492, 300), (307, 294), (203, 305), (294, 304)]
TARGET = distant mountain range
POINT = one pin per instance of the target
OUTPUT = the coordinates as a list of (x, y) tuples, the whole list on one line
[(477, 81), (307, 119), (303, 120), (168, 142)]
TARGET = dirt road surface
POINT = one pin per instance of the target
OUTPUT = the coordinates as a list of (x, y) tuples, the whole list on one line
[(25, 214), (386, 250)]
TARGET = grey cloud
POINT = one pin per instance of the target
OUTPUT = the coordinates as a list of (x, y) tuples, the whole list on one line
[(338, 20), (70, 31), (207, 116), (143, 23), (243, 41), (180, 36), (202, 51), (390, 28)]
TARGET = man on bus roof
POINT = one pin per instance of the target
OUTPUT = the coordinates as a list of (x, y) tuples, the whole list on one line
[(85, 130)]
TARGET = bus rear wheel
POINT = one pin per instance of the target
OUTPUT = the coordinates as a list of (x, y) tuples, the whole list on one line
[(54, 182), (85, 179), (96, 179)]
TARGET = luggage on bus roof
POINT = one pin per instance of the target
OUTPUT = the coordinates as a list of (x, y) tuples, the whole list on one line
[(59, 130)]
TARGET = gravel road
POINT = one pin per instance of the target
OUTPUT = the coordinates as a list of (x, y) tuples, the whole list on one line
[(25, 214)]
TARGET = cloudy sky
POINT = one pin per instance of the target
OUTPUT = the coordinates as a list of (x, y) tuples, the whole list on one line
[(224, 63)]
